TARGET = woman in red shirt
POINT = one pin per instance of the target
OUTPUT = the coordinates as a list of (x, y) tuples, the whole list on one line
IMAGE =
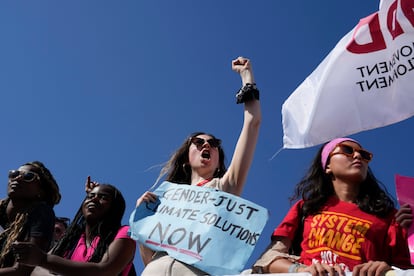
[(345, 219)]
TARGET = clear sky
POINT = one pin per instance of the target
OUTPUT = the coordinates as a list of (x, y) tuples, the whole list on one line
[(111, 88)]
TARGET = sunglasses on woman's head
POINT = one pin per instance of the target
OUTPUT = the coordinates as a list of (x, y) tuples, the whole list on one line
[(26, 176), (349, 151), (199, 142)]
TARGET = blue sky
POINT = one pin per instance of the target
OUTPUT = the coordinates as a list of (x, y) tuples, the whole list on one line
[(111, 88)]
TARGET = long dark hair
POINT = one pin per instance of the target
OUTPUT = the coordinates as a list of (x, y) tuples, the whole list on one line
[(316, 187), (17, 229), (178, 169), (106, 228), (48, 183)]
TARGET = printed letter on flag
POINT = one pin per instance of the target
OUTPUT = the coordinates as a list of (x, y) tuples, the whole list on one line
[(365, 82)]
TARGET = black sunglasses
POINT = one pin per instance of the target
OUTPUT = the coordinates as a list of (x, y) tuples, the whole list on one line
[(349, 151), (26, 176), (199, 142)]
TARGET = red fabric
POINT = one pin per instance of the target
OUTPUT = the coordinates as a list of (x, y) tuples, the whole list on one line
[(82, 253), (343, 234), (204, 182)]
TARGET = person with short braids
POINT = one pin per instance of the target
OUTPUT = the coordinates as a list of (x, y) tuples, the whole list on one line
[(27, 213)]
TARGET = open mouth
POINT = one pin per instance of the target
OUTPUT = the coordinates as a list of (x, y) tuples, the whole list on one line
[(205, 154)]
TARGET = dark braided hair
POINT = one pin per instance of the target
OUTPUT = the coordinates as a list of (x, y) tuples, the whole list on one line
[(48, 183), (12, 233), (106, 228), (16, 230)]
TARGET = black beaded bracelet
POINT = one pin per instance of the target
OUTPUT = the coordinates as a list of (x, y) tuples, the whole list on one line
[(247, 93)]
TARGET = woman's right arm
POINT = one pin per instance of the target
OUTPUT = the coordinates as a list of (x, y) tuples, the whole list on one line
[(17, 270), (279, 261), (119, 254), (277, 250)]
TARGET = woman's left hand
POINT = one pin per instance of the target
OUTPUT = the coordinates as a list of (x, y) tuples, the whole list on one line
[(371, 268), (146, 197), (28, 253), (404, 216), (322, 269)]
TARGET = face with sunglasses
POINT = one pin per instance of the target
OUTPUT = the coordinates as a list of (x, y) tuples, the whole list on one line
[(203, 153), (24, 183), (348, 158)]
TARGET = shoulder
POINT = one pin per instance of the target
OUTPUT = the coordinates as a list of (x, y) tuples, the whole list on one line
[(123, 229), (123, 239), (42, 207), (299, 203), (42, 211), (123, 232), (296, 208)]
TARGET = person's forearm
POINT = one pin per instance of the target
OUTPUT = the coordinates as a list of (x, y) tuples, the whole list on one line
[(19, 270), (247, 77), (279, 266), (67, 267)]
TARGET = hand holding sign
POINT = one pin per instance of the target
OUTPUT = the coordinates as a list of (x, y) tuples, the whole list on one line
[(404, 216), (148, 197), (199, 226)]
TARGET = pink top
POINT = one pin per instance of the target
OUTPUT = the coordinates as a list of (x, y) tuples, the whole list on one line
[(82, 253)]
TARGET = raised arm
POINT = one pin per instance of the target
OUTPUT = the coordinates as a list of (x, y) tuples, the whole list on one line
[(234, 179)]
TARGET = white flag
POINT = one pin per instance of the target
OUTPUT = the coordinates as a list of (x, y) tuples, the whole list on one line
[(366, 81)]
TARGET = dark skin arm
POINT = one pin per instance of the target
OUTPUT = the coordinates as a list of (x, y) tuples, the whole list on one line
[(22, 270), (119, 254)]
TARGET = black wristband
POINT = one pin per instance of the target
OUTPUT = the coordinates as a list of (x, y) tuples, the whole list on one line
[(247, 93)]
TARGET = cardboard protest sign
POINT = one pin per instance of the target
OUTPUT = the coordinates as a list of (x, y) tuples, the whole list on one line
[(207, 228), (404, 187), (365, 82)]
